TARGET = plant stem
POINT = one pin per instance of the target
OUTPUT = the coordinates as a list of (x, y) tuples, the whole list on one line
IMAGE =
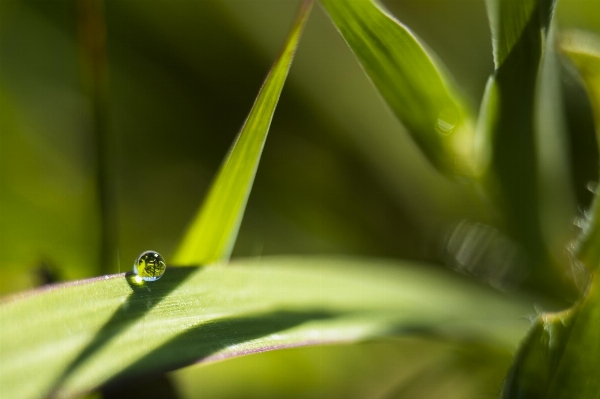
[(94, 71)]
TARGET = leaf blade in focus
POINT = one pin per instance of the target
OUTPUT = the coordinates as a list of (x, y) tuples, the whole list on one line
[(212, 234), (116, 329)]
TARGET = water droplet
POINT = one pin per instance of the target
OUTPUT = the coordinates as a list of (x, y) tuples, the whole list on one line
[(149, 266)]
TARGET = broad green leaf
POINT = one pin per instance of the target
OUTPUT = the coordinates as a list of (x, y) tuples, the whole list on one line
[(560, 358), (410, 80), (71, 338), (507, 152), (212, 234)]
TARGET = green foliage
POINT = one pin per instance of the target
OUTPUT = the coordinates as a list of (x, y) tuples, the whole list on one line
[(508, 155), (560, 358), (411, 81), (211, 237), (584, 51), (110, 332), (116, 328)]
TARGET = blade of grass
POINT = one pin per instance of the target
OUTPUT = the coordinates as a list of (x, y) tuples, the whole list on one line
[(561, 357), (94, 71), (212, 234), (212, 313), (507, 151), (410, 80)]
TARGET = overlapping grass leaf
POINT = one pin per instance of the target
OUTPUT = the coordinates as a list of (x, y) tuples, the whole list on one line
[(410, 79), (561, 356), (507, 151)]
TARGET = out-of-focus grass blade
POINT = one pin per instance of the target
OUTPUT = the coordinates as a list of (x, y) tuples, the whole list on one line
[(507, 153), (368, 370), (212, 234), (560, 358), (509, 19), (411, 81), (74, 337), (584, 51)]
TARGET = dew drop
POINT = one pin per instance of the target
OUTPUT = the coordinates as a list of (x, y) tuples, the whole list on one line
[(149, 266)]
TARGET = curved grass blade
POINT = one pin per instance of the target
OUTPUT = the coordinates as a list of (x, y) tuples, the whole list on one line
[(410, 80), (507, 151), (560, 358), (71, 338), (212, 234)]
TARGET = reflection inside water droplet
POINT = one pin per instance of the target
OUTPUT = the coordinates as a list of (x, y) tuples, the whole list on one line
[(149, 266)]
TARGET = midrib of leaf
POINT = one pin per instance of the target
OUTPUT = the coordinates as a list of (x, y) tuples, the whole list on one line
[(212, 234), (72, 338)]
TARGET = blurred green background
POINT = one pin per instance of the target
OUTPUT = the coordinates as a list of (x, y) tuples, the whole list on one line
[(338, 174)]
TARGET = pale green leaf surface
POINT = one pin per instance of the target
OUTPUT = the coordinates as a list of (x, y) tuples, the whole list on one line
[(71, 338), (212, 234), (410, 80)]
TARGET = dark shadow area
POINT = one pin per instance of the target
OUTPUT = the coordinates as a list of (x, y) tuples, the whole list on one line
[(151, 387), (583, 144), (201, 341), (143, 298)]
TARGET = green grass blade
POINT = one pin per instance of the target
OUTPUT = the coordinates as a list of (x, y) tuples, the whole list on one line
[(410, 80), (71, 338), (509, 20), (560, 358), (212, 234), (507, 151)]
